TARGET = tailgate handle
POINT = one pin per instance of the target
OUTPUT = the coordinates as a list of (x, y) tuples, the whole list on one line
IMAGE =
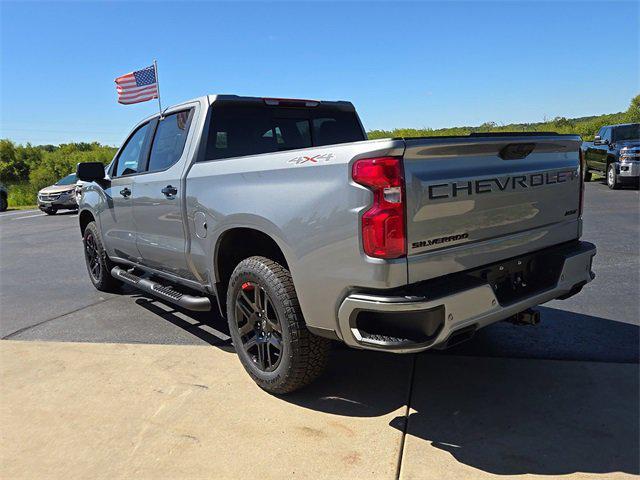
[(516, 151)]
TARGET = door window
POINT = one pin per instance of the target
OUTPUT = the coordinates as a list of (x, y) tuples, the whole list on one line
[(169, 140), (607, 134), (129, 158)]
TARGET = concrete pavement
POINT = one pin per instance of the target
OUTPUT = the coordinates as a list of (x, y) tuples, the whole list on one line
[(73, 410), (79, 410)]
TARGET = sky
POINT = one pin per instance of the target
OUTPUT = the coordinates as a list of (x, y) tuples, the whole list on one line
[(420, 64)]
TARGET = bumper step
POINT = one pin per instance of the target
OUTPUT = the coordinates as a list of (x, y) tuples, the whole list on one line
[(190, 302)]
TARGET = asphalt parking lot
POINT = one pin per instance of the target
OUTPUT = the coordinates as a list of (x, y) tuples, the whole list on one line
[(558, 398)]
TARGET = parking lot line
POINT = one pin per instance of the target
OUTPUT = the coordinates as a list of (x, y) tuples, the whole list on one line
[(8, 214), (30, 216)]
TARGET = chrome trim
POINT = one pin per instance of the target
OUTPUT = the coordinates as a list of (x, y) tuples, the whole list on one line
[(476, 306)]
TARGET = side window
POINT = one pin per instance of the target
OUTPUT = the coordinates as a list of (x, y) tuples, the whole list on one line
[(169, 140), (127, 161), (607, 134), (601, 133)]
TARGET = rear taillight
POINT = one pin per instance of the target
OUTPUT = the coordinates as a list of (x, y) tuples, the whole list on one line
[(383, 225), (582, 170)]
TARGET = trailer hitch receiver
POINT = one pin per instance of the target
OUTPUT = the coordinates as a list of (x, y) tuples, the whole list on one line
[(526, 317)]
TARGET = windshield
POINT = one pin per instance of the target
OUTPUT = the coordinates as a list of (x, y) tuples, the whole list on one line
[(627, 132), (68, 180)]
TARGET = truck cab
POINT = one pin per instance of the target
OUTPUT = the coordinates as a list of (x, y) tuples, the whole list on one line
[(615, 152)]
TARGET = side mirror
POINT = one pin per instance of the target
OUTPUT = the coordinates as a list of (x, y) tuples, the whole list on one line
[(90, 171), (597, 140)]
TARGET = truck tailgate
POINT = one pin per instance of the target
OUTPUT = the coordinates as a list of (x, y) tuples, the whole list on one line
[(477, 200)]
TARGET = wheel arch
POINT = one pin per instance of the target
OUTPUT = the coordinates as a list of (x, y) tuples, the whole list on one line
[(85, 217), (236, 244)]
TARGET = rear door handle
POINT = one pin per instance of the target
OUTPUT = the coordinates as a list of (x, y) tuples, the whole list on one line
[(125, 192), (169, 191)]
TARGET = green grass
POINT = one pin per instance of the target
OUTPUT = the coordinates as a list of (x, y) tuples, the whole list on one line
[(23, 207)]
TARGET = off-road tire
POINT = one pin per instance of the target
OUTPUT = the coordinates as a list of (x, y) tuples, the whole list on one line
[(103, 281), (3, 203), (50, 211), (304, 356), (612, 177)]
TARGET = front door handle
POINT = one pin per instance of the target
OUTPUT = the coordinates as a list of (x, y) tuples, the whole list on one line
[(169, 191), (125, 192)]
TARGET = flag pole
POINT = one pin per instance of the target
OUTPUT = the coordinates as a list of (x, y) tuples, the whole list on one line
[(155, 67)]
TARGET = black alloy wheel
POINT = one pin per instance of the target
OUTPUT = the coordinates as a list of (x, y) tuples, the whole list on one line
[(98, 264), (92, 256), (268, 330), (259, 327)]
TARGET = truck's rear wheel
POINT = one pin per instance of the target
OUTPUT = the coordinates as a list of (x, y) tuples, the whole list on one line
[(267, 328), (98, 264)]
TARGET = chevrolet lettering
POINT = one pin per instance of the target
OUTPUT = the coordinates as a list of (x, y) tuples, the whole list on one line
[(488, 185)]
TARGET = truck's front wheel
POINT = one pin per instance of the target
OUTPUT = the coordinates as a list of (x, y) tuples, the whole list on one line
[(98, 264), (267, 328), (612, 177)]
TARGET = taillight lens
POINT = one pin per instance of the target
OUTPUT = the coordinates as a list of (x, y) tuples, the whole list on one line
[(583, 166), (383, 225)]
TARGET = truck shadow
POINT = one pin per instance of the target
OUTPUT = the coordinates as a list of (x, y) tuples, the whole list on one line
[(207, 326), (492, 406)]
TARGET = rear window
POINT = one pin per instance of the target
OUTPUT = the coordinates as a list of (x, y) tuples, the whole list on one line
[(237, 131)]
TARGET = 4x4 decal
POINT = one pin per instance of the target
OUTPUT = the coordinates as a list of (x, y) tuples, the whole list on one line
[(315, 159)]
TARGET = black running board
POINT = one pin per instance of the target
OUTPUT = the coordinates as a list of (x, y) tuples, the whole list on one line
[(190, 302)]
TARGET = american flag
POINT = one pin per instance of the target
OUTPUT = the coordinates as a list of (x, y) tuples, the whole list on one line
[(138, 86)]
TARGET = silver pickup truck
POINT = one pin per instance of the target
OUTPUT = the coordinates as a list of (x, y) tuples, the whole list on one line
[(281, 215)]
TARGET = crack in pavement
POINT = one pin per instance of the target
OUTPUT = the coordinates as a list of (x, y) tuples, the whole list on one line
[(407, 411), (29, 327)]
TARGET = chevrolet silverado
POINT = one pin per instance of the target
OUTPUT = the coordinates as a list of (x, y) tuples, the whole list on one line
[(281, 215)]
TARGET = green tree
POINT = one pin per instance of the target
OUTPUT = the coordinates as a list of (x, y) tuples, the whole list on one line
[(12, 167), (633, 113)]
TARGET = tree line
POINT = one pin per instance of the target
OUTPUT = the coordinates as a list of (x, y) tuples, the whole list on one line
[(25, 169), (586, 127)]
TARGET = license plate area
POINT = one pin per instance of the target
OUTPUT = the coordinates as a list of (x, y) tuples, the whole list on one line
[(522, 277)]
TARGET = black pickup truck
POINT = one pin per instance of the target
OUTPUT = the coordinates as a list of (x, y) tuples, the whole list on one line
[(615, 152)]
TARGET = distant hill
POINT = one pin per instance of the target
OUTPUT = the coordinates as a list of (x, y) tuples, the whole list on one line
[(586, 127)]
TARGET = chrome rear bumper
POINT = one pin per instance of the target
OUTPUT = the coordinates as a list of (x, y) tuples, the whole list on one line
[(471, 308)]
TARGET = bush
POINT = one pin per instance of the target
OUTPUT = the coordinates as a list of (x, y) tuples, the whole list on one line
[(22, 194)]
